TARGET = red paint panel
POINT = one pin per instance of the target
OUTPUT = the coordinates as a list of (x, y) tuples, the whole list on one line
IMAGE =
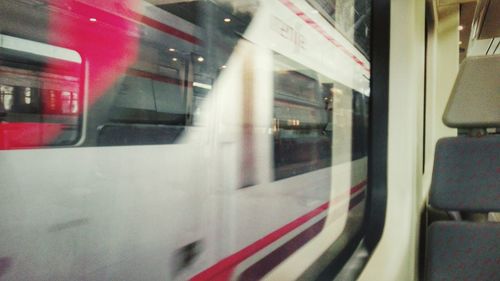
[(31, 135)]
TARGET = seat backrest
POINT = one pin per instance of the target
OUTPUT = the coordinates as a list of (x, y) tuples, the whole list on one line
[(466, 174), (475, 99), (466, 178)]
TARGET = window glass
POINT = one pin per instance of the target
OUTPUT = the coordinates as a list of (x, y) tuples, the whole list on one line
[(350, 17), (139, 66), (135, 100), (40, 94), (189, 134), (181, 52), (301, 143)]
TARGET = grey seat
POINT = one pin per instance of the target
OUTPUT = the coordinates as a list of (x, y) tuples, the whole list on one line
[(466, 178), (466, 175), (463, 251)]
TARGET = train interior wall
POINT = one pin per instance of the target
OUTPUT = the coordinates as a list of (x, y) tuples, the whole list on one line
[(424, 60)]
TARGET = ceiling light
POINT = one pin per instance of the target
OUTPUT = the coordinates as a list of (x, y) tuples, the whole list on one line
[(227, 20), (200, 59), (202, 85), (174, 59), (171, 50)]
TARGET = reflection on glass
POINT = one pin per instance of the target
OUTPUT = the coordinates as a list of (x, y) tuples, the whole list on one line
[(350, 17), (245, 118), (300, 118), (39, 86)]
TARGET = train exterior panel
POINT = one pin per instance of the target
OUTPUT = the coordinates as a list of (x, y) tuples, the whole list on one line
[(141, 145)]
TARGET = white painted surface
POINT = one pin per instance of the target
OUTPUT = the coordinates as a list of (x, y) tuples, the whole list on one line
[(394, 259), (120, 213), (37, 48), (443, 59)]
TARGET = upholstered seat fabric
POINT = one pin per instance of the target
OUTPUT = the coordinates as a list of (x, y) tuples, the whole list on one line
[(466, 175), (463, 251)]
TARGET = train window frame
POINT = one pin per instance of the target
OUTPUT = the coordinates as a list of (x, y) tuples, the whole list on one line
[(56, 94)]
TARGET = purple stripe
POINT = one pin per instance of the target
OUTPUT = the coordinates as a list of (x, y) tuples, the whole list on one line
[(357, 199), (262, 267), (269, 262)]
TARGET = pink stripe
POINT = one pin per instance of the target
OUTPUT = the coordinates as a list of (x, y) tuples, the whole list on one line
[(164, 27), (170, 30), (224, 268), (318, 28), (230, 262), (358, 187)]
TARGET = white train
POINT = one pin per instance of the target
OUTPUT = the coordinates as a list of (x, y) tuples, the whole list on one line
[(137, 144)]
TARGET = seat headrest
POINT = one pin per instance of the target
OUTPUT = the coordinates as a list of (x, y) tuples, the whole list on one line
[(466, 175), (475, 98)]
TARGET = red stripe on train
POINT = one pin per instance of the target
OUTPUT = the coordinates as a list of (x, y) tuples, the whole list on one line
[(269, 262), (132, 15), (165, 28), (318, 28), (224, 268), (358, 187)]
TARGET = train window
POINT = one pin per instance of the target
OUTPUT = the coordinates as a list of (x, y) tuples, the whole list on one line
[(163, 89), (135, 101), (142, 68), (360, 115), (170, 103), (301, 117), (40, 98), (201, 89), (308, 108), (149, 98)]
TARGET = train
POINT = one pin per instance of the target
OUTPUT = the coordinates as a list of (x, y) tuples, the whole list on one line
[(248, 140), (178, 140)]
